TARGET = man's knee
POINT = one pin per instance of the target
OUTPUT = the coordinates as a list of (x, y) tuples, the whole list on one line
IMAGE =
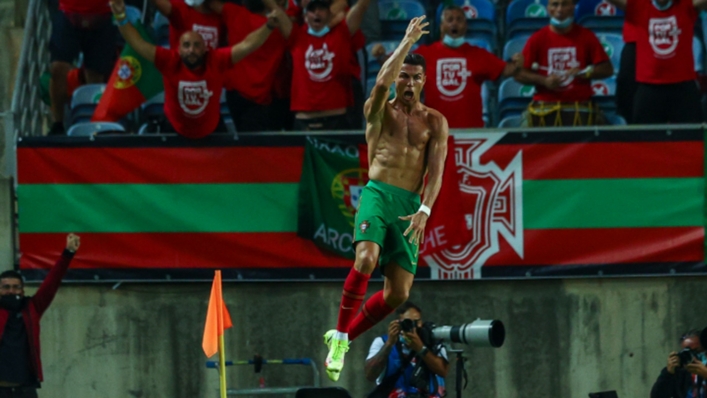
[(366, 260), (59, 70), (395, 297)]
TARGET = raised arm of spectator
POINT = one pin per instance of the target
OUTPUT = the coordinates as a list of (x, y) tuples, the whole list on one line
[(130, 34), (391, 69), (284, 22), (256, 38), (163, 6), (355, 15)]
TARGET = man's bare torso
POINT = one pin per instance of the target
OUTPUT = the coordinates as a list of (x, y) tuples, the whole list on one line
[(397, 146)]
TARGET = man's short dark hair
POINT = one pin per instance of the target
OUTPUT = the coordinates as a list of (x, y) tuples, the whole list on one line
[(406, 306), (690, 333), (12, 274), (454, 7), (416, 59)]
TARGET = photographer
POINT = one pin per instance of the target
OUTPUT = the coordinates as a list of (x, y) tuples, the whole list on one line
[(685, 375), (407, 362)]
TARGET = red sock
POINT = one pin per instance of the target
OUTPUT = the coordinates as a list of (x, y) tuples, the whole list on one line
[(354, 291), (374, 311)]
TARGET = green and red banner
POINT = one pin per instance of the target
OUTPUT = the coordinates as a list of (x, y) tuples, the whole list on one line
[(134, 80), (536, 204)]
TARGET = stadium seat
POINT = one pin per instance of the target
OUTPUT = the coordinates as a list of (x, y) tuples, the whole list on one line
[(84, 102), (614, 120), (481, 19), (613, 44), (511, 122), (478, 42), (524, 17), (605, 94), (89, 129), (599, 16), (372, 64), (513, 98), (513, 46), (395, 16), (160, 25), (485, 101), (699, 55)]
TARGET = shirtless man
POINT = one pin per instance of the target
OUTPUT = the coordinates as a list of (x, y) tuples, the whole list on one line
[(406, 140)]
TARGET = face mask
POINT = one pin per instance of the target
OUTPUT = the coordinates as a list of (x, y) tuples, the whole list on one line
[(561, 24), (11, 302), (194, 3), (662, 8), (318, 34), (449, 41)]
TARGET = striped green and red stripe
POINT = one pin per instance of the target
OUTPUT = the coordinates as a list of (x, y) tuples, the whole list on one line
[(596, 201)]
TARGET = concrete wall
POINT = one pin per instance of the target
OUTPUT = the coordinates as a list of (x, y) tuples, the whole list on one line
[(565, 338)]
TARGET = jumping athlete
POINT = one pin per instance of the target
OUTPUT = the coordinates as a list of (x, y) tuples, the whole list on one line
[(406, 140)]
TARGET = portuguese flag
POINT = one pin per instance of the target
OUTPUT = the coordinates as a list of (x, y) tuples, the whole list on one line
[(330, 187), (134, 80)]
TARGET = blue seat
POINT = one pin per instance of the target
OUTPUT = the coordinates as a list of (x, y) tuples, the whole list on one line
[(485, 103), (84, 102), (699, 55), (605, 93), (513, 46), (599, 16), (480, 16), (395, 16), (372, 64), (511, 122), (615, 120), (160, 26), (89, 129), (478, 42), (613, 44), (513, 98), (524, 17)]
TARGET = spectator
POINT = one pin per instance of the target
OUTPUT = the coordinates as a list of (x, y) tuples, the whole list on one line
[(79, 27), (321, 57), (250, 84), (20, 363), (626, 84), (665, 70), (407, 363), (191, 15), (193, 77), (458, 71), (688, 381), (560, 61)]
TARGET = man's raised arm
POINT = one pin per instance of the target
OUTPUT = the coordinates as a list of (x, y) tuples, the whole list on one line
[(355, 15), (130, 34), (257, 37), (391, 68), (163, 6)]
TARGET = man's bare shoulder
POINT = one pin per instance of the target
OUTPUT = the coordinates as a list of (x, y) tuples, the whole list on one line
[(435, 118)]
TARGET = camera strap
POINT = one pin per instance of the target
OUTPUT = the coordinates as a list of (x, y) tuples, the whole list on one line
[(383, 389)]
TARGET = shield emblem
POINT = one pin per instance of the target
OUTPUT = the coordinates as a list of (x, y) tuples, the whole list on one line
[(600, 88), (452, 75), (470, 11), (193, 96), (561, 59), (664, 35), (535, 11), (604, 9)]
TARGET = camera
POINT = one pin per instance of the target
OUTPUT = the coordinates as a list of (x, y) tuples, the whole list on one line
[(686, 356), (407, 325), (480, 333)]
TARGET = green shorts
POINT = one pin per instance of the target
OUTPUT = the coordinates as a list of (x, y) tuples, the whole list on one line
[(377, 221)]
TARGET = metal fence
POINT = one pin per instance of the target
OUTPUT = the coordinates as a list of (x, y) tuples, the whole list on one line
[(28, 114)]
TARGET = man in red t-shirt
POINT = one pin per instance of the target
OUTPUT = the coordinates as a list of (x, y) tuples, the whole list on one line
[(193, 76), (79, 27), (458, 71), (665, 70), (561, 60), (250, 84), (321, 57), (191, 15)]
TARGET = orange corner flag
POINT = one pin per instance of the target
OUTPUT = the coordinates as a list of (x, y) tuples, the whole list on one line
[(217, 319)]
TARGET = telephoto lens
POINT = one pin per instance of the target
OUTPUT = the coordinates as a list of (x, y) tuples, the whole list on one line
[(480, 333)]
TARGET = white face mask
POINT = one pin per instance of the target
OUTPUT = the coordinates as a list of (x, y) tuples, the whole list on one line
[(449, 41), (194, 3)]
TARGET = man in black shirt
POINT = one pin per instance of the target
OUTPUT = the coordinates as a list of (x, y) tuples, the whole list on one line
[(20, 364)]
